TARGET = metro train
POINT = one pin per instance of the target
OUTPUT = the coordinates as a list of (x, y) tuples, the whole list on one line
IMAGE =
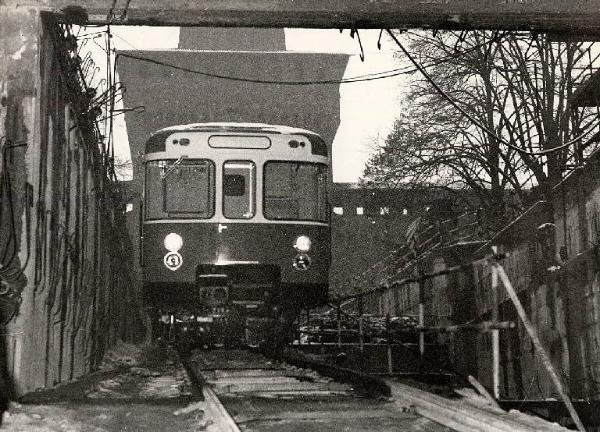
[(235, 229)]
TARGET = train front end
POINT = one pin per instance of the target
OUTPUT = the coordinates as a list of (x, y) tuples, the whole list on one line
[(235, 232)]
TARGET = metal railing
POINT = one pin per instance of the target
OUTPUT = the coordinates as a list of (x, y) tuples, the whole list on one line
[(499, 279)]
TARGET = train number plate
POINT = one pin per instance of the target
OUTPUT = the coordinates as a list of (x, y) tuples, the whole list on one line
[(173, 260)]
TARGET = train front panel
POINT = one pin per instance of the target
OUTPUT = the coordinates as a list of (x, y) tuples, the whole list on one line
[(236, 215), (254, 257)]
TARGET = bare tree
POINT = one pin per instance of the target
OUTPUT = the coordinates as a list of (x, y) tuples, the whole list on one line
[(514, 89), (123, 168)]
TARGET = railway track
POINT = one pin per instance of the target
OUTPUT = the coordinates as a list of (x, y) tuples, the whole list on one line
[(246, 391), (151, 389)]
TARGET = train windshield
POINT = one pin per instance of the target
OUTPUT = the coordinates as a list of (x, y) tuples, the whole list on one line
[(182, 188), (295, 191)]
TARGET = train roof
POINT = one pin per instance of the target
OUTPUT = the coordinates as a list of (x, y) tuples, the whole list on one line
[(235, 127), (156, 142)]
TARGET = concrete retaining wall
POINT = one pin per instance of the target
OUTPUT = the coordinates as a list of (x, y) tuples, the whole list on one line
[(553, 263), (67, 289)]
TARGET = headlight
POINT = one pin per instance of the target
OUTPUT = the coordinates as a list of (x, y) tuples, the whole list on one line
[(173, 242), (302, 244)]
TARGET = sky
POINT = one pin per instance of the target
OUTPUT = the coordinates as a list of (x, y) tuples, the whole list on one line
[(368, 109)]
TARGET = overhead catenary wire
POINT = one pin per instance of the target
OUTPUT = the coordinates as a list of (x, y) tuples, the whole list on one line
[(361, 78), (355, 79), (474, 120)]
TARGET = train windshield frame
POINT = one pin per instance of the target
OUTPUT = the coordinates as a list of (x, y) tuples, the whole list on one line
[(169, 183), (295, 191)]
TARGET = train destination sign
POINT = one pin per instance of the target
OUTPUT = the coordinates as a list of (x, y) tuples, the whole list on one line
[(561, 16)]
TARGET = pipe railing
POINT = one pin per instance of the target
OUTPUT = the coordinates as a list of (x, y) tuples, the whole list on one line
[(499, 279)]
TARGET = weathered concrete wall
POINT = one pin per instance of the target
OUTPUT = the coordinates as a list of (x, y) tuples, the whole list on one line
[(529, 243), (368, 223), (63, 250), (577, 237), (577, 210), (553, 263), (18, 58), (467, 297)]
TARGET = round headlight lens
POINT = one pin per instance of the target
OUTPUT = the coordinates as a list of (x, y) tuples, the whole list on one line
[(173, 242), (302, 243)]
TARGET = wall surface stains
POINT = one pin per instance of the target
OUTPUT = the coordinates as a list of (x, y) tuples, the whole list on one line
[(66, 289), (553, 261)]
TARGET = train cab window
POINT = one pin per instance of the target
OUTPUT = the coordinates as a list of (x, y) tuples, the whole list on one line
[(180, 189), (295, 191), (239, 189), (234, 185)]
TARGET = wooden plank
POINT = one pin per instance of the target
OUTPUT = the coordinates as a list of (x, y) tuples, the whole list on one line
[(232, 373), (483, 391), (462, 417), (559, 16), (328, 415), (276, 387), (258, 380), (215, 411)]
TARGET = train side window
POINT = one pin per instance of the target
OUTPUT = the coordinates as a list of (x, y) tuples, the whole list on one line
[(239, 189)]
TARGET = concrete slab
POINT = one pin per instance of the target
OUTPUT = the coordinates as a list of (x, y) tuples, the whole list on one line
[(139, 389), (295, 386), (219, 374), (84, 417), (231, 359), (144, 374)]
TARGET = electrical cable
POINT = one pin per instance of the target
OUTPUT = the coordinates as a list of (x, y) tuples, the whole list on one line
[(477, 122), (372, 77), (359, 78), (68, 266), (7, 184)]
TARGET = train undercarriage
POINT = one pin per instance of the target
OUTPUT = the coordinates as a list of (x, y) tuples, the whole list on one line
[(230, 307), (230, 327)]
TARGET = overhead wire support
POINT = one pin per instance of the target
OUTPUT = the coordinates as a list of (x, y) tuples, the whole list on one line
[(379, 39), (362, 51)]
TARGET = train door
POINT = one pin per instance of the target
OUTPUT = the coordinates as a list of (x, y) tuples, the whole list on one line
[(243, 243)]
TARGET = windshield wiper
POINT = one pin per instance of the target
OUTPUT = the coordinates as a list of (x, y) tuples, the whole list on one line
[(172, 167)]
